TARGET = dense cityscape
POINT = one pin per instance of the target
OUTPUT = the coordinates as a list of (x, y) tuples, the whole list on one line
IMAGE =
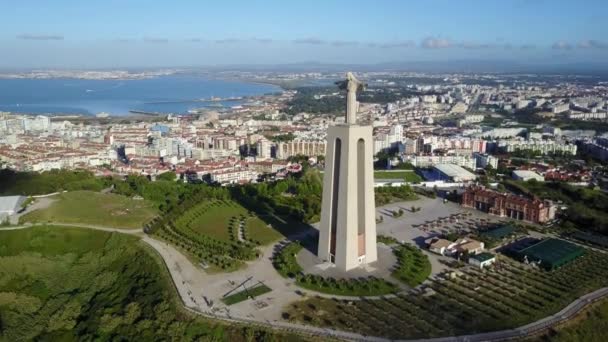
[(470, 125)]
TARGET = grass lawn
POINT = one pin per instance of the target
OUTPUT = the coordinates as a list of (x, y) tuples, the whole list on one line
[(87, 207), (238, 297), (213, 218), (408, 176), (219, 234), (259, 230)]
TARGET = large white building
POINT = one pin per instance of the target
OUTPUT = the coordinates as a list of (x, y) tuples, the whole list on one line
[(16, 124), (453, 173), (430, 161)]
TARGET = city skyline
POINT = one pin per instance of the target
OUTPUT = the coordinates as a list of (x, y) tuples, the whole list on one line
[(136, 34)]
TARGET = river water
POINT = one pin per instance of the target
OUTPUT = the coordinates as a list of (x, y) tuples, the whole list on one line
[(173, 94)]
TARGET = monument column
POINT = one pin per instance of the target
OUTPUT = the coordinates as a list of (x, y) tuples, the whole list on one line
[(347, 231)]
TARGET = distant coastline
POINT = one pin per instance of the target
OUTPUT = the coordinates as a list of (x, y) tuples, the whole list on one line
[(174, 94)]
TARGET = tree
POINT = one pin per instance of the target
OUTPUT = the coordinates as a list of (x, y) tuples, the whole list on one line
[(167, 176)]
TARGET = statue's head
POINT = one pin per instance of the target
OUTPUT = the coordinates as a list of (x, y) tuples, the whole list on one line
[(351, 79)]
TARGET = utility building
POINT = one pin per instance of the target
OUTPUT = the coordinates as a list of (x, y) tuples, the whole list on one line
[(347, 232)]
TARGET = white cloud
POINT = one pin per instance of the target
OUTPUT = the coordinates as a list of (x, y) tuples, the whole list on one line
[(436, 43), (561, 45), (592, 44)]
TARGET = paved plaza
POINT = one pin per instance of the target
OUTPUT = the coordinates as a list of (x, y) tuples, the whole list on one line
[(381, 268), (434, 218)]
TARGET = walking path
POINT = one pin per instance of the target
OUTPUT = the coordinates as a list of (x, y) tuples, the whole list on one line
[(185, 275)]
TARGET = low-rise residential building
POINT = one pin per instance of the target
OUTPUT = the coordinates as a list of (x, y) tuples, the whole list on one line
[(439, 246), (468, 245), (234, 176), (482, 260)]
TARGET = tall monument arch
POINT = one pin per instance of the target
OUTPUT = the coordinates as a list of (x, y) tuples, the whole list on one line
[(347, 232)]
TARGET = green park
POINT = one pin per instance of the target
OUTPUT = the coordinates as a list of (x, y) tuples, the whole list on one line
[(94, 208)]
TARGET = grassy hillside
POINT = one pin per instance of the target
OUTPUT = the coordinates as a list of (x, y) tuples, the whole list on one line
[(590, 326), (95, 208), (73, 284)]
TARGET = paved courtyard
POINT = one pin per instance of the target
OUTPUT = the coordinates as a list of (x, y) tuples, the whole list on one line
[(434, 218), (379, 269)]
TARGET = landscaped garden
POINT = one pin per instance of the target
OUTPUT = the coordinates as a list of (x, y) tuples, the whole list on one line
[(94, 208), (413, 267), (71, 284), (227, 221), (507, 295), (286, 264), (219, 234)]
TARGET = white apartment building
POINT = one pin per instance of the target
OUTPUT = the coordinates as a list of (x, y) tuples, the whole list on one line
[(429, 161), (233, 176), (482, 160), (542, 146), (301, 147), (560, 108), (588, 116), (264, 148), (469, 119)]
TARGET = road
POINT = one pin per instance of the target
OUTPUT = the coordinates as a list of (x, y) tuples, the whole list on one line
[(184, 274)]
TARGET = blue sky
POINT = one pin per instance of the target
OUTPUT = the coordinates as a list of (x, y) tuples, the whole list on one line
[(120, 33)]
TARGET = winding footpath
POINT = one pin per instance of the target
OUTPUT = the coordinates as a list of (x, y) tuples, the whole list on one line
[(181, 270)]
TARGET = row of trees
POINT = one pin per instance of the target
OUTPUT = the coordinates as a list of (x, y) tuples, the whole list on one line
[(297, 196), (387, 194), (34, 183)]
